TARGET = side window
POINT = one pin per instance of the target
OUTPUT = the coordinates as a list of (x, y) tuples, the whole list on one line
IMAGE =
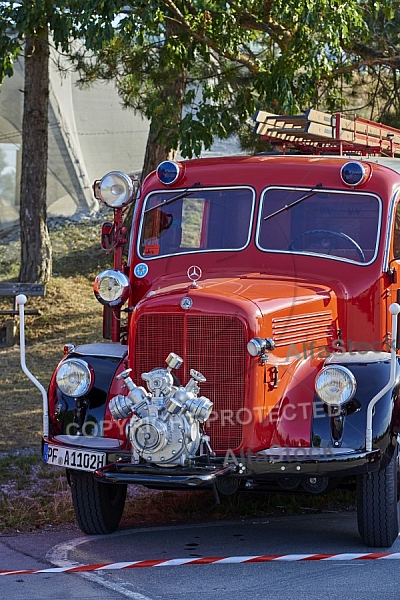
[(396, 233)]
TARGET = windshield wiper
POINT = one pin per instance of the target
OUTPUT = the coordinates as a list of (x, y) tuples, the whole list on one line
[(311, 193), (177, 197)]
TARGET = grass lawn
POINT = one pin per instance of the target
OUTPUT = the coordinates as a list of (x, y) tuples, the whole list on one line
[(34, 495)]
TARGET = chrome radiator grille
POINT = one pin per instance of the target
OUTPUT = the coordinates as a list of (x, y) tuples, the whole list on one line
[(213, 345)]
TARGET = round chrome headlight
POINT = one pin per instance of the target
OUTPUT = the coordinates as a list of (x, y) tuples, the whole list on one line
[(74, 378), (256, 346), (111, 287), (335, 385), (116, 189)]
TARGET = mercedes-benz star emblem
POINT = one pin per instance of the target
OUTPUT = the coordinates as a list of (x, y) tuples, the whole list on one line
[(194, 273), (186, 303)]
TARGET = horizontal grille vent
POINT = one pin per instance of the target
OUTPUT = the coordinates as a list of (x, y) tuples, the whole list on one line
[(303, 328)]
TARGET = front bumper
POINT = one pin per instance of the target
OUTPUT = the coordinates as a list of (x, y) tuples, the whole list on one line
[(311, 461), (153, 476), (263, 466), (266, 465)]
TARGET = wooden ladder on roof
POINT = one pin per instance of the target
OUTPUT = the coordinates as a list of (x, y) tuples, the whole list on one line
[(316, 132)]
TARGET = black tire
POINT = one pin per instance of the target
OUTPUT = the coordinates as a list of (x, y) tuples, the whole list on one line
[(377, 505), (98, 506)]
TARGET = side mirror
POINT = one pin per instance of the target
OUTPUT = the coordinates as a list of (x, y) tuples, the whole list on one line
[(107, 235)]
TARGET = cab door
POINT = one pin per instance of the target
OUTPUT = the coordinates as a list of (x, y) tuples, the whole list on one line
[(393, 293)]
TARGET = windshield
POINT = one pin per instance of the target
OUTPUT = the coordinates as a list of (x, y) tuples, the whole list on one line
[(340, 225), (196, 220)]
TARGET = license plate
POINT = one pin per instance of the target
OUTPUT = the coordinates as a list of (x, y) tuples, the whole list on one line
[(84, 460)]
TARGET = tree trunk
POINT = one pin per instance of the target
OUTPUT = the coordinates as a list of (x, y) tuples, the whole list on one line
[(35, 239), (155, 152), (171, 99)]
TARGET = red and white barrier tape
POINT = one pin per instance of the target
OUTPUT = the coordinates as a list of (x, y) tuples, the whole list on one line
[(207, 560)]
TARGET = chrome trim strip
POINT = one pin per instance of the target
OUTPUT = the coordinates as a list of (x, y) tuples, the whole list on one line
[(102, 349), (81, 441), (133, 227), (393, 200), (303, 452), (346, 358)]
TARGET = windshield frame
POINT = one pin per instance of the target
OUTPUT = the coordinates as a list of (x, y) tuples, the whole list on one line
[(191, 192), (395, 199), (358, 193)]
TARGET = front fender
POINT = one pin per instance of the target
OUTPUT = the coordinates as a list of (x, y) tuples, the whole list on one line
[(87, 414), (348, 430)]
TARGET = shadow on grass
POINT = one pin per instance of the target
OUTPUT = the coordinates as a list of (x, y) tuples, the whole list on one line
[(83, 260)]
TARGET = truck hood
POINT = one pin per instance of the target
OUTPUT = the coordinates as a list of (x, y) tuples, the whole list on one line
[(211, 324), (293, 312), (270, 294)]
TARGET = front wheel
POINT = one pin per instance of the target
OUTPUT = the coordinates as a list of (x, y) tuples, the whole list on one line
[(98, 506), (377, 505)]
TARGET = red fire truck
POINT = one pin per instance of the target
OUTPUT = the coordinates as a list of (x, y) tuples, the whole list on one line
[(251, 330)]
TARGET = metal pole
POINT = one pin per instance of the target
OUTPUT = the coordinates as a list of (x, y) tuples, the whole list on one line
[(394, 310), (21, 301)]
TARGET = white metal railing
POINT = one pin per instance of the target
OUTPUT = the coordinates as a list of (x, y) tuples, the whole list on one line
[(394, 311), (21, 301)]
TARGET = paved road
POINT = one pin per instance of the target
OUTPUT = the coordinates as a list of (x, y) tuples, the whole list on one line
[(279, 580)]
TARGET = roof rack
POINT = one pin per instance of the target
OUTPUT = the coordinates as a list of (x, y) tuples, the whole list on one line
[(316, 132)]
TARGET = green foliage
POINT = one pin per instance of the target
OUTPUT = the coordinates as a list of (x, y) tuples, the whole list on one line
[(233, 58), (66, 20), (373, 84), (216, 62)]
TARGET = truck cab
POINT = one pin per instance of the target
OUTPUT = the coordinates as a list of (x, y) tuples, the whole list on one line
[(250, 330)]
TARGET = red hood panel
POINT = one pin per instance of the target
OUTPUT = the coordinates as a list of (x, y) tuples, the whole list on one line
[(211, 334)]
